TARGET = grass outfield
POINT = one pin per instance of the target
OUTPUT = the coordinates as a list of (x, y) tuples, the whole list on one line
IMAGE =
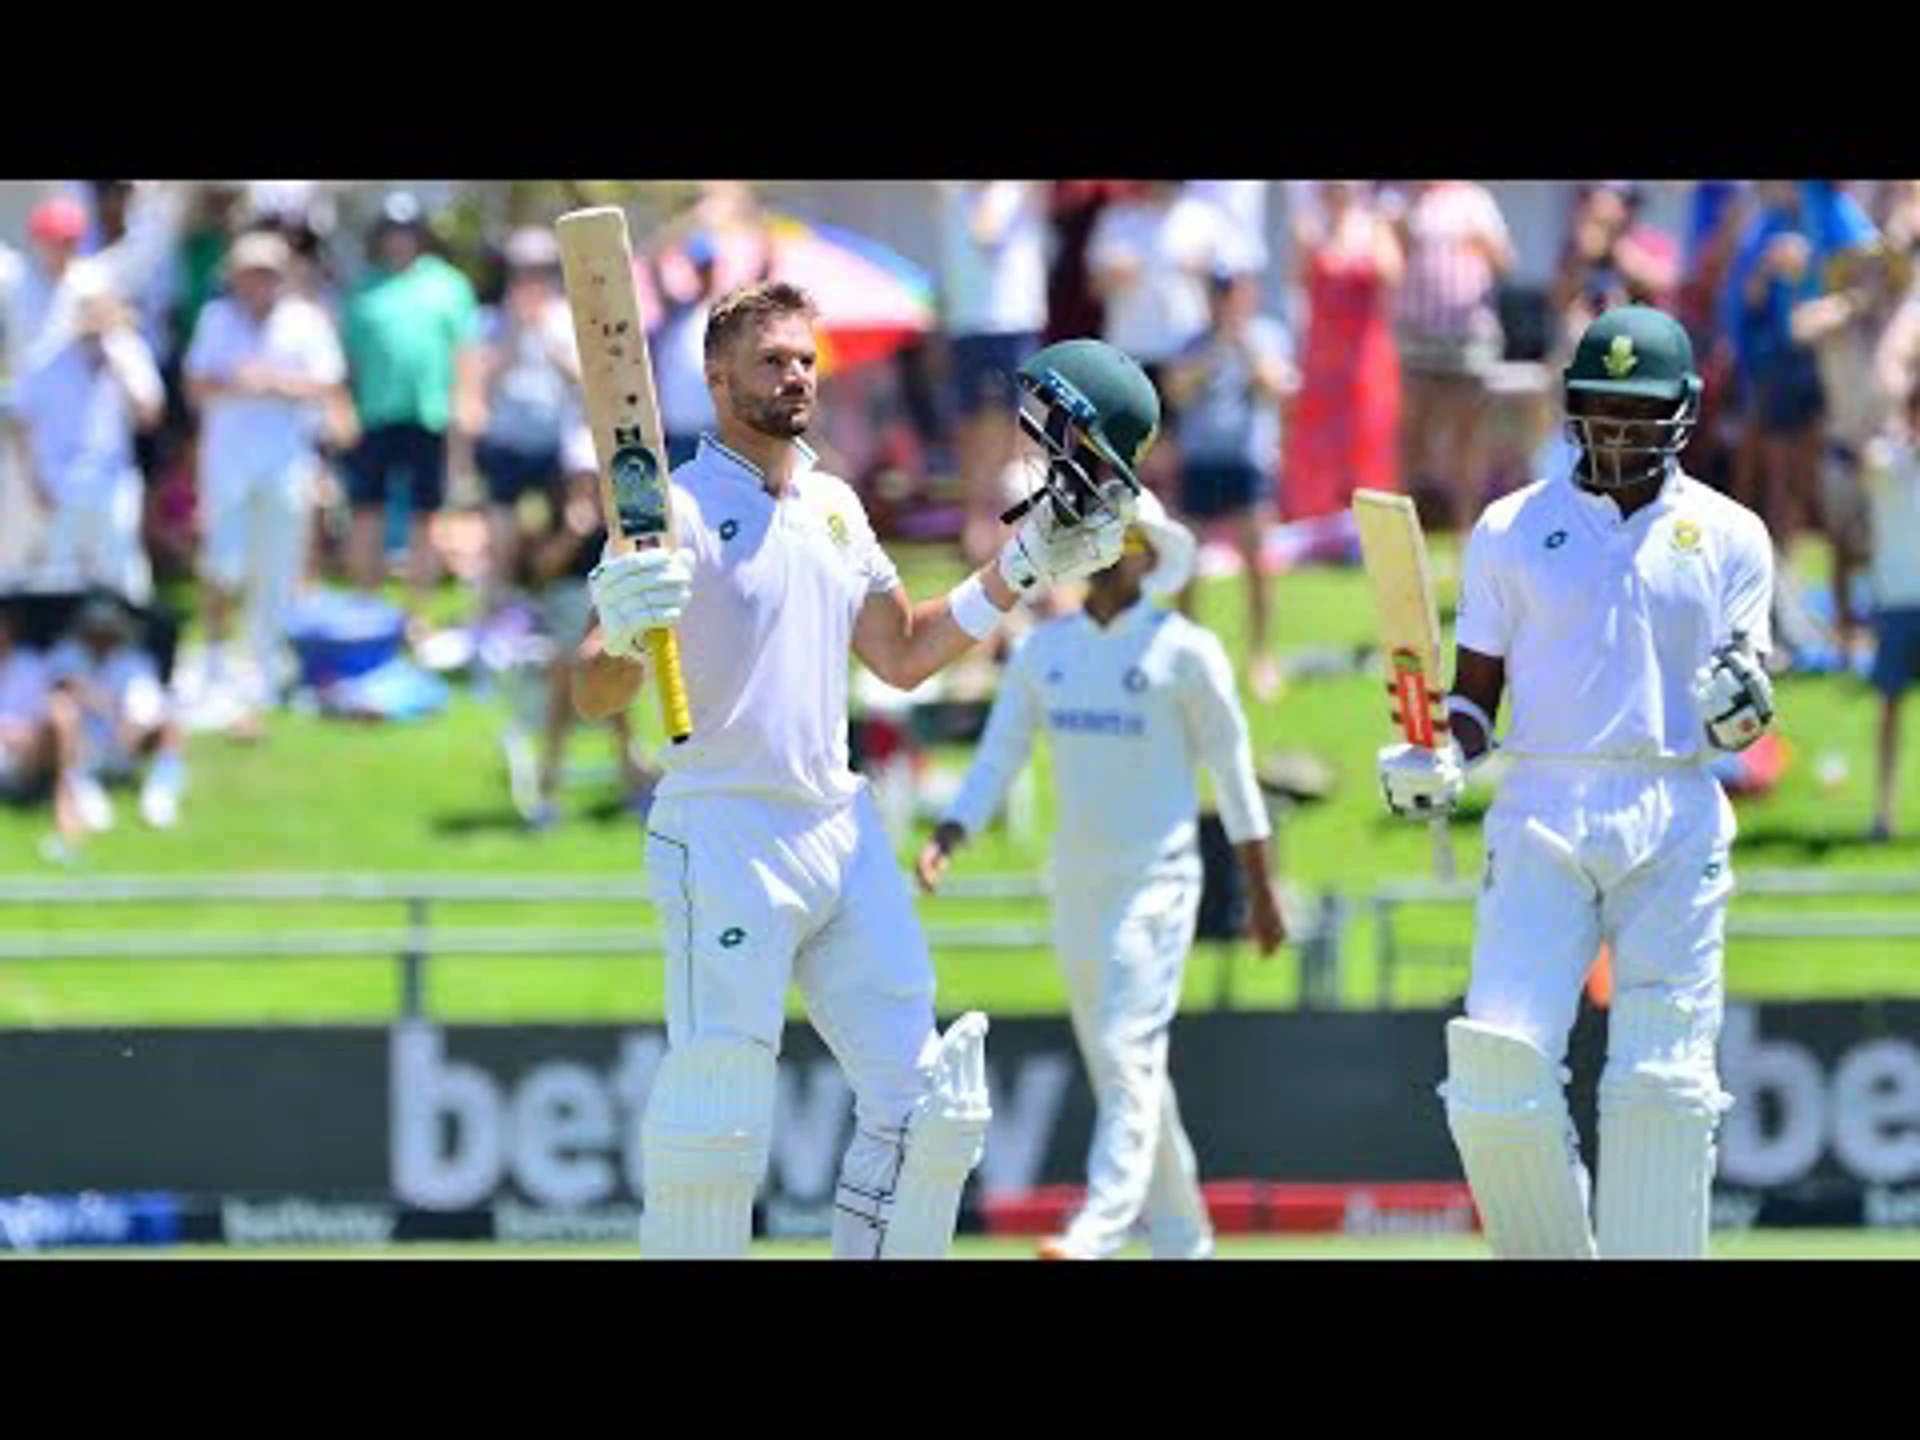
[(431, 798), (1729, 1245)]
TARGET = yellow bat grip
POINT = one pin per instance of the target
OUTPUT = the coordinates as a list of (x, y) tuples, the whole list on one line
[(673, 685)]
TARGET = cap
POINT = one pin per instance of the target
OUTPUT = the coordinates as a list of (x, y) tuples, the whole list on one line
[(258, 250), (403, 210), (532, 248), (59, 220)]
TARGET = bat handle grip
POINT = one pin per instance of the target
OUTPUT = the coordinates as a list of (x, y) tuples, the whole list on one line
[(672, 684)]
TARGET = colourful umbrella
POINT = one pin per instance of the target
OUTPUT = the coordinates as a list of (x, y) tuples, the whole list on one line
[(872, 301)]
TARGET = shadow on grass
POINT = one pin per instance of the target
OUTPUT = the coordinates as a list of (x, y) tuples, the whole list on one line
[(607, 811), (1811, 842)]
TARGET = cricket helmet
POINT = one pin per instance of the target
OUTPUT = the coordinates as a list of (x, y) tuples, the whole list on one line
[(1094, 414), (1640, 353)]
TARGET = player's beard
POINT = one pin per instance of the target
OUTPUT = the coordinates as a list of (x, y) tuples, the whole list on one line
[(775, 416)]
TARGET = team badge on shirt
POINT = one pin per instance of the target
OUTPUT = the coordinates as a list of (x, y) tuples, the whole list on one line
[(1686, 537), (1135, 680), (837, 528)]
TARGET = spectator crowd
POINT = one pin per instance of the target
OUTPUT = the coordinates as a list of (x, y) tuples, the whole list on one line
[(219, 397)]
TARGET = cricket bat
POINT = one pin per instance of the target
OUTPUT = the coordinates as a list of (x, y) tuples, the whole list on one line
[(616, 375), (1394, 550)]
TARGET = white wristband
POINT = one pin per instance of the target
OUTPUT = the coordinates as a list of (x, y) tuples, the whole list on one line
[(973, 609)]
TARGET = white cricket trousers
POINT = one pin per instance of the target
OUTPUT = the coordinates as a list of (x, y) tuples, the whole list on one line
[(756, 894), (1576, 855), (255, 545), (1122, 946)]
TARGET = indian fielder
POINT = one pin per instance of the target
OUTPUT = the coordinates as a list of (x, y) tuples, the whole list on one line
[(1628, 606), (766, 855), (1133, 697)]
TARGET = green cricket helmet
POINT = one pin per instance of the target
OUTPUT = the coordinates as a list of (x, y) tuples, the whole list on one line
[(1642, 355), (1094, 414)]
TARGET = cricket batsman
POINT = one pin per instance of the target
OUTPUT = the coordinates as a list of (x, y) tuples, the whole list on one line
[(1133, 698), (1627, 606), (766, 855)]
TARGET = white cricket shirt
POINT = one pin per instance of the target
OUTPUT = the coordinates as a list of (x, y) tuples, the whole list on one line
[(767, 637), (1130, 710), (243, 436), (1602, 621)]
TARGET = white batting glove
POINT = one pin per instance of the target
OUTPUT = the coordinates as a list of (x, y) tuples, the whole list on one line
[(632, 594), (1419, 783), (1044, 552), (1735, 696)]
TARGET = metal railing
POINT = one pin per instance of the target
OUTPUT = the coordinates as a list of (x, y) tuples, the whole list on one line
[(1317, 925), (1390, 954)]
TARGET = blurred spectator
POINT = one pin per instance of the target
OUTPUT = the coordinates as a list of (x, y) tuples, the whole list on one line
[(558, 563), (265, 370), (993, 268), (678, 346), (210, 228), (1074, 207), (1457, 248), (525, 382), (1610, 257), (150, 294), (1229, 384), (1716, 217), (1846, 326), (1891, 477), (33, 757), (1244, 204), (1151, 260), (1344, 432), (410, 323), (18, 509), (114, 717), (80, 410)]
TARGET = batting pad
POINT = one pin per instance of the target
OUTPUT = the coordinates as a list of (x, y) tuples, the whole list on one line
[(1510, 1123), (1660, 1104), (704, 1148), (945, 1140)]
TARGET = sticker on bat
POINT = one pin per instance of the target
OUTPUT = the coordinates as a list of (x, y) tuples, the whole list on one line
[(638, 493)]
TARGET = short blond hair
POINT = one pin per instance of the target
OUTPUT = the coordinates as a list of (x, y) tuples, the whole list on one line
[(751, 306)]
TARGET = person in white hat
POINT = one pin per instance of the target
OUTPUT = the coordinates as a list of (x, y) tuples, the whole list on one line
[(265, 370), (1134, 697)]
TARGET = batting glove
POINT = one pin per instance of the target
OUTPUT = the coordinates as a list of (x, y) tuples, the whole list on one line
[(1735, 696), (1044, 551), (1419, 783), (635, 593)]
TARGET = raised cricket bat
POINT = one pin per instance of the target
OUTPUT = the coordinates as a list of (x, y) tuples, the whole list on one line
[(1394, 551), (616, 374)]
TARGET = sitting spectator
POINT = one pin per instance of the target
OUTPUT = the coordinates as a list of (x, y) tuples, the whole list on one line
[(1457, 248), (265, 370), (81, 410), (32, 756), (409, 326), (1229, 384), (113, 714), (558, 563), (526, 378)]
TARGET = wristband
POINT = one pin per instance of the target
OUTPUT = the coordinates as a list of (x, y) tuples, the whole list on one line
[(973, 609), (1460, 704)]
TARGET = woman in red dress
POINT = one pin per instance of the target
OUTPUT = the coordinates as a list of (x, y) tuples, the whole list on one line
[(1345, 427)]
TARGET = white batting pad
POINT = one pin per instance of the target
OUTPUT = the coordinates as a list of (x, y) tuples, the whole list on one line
[(1660, 1105), (945, 1140), (704, 1148), (1509, 1119)]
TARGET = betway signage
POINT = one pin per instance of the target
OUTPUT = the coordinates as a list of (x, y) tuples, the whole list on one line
[(542, 1123)]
